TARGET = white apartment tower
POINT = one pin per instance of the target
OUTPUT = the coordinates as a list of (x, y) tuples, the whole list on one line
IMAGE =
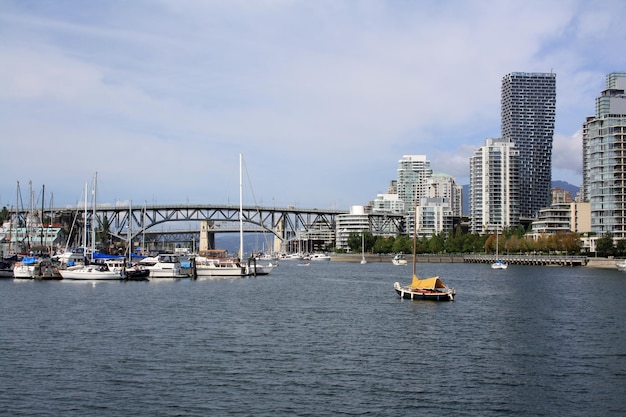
[(494, 186), (604, 159), (445, 187), (413, 171)]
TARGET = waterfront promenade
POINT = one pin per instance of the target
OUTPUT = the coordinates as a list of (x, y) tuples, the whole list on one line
[(540, 260)]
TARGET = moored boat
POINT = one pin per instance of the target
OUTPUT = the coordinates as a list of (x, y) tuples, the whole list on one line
[(621, 265), (399, 260), (35, 267), (217, 263), (107, 270), (6, 268), (499, 264), (425, 289), (319, 257), (431, 288), (164, 265)]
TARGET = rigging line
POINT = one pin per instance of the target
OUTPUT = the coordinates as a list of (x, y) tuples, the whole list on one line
[(256, 205)]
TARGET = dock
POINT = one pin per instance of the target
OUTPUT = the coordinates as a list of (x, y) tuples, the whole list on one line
[(540, 260), (543, 260)]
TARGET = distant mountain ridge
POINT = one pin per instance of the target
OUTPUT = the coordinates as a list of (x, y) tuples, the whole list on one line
[(572, 189)]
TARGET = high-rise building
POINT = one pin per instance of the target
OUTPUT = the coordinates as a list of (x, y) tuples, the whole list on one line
[(604, 159), (528, 110), (494, 187), (413, 171), (445, 186)]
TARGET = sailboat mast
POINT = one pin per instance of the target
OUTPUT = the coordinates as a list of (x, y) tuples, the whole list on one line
[(240, 206), (130, 230), (85, 223), (414, 241), (43, 193), (93, 215)]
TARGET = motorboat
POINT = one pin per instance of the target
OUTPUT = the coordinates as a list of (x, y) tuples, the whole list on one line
[(319, 257), (399, 260), (136, 273), (217, 263), (35, 267), (6, 269), (255, 268), (164, 265), (621, 265)]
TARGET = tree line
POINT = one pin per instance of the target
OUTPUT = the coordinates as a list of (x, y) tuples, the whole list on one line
[(510, 241)]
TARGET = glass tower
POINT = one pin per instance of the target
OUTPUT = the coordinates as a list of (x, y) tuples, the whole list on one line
[(604, 159), (413, 172), (528, 109)]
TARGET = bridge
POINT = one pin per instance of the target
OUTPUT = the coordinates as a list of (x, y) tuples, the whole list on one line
[(285, 223)]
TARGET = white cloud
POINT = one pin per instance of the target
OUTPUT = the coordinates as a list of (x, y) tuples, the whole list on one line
[(322, 97)]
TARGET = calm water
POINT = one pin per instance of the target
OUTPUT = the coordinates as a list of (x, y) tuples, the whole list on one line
[(330, 339)]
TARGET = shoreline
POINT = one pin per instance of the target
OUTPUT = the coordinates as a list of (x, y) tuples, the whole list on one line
[(545, 260)]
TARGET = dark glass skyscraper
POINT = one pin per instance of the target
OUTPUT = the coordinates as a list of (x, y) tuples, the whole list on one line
[(528, 109)]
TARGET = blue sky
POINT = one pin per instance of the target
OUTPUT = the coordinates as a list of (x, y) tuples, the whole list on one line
[(323, 98)]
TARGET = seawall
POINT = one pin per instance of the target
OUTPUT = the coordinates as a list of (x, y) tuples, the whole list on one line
[(545, 260)]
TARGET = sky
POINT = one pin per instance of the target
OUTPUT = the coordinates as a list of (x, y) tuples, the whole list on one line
[(322, 97)]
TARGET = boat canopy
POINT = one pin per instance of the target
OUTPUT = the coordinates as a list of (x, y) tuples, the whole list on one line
[(29, 260), (427, 283)]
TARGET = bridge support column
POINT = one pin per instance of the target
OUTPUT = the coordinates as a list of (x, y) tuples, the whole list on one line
[(279, 230), (207, 236)]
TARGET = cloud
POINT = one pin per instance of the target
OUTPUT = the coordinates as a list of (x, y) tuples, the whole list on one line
[(322, 97)]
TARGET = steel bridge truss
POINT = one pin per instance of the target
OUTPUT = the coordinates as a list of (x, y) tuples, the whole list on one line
[(283, 223)]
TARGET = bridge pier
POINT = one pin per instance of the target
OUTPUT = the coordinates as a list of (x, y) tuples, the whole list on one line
[(207, 237)]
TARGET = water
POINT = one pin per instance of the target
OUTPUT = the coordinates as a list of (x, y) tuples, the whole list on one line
[(331, 339)]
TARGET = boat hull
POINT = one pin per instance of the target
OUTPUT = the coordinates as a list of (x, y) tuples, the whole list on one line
[(216, 271), (424, 294), (90, 274)]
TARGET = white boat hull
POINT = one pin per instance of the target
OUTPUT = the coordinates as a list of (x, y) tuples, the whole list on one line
[(90, 273), (216, 271)]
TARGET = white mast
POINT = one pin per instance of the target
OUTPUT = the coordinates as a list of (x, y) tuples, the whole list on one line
[(85, 223), (240, 207), (93, 215), (130, 230)]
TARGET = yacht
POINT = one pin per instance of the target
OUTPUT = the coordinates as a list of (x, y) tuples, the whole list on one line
[(165, 265)]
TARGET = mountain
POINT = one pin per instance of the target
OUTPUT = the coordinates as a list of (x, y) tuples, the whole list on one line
[(573, 190)]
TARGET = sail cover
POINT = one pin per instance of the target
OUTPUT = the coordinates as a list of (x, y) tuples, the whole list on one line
[(427, 283)]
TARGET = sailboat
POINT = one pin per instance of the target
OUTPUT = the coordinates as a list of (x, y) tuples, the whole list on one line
[(110, 269), (217, 263), (363, 261), (499, 263), (432, 288)]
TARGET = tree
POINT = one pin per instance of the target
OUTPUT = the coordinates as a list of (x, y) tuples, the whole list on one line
[(383, 245), (4, 215), (620, 249), (436, 244), (605, 246), (354, 241), (402, 244)]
